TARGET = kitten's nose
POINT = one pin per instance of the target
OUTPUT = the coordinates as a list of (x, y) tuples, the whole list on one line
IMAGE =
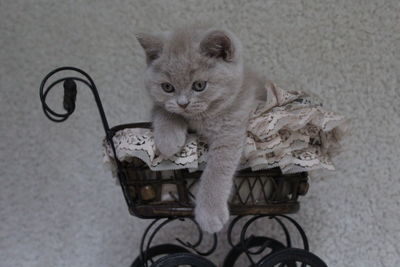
[(183, 105)]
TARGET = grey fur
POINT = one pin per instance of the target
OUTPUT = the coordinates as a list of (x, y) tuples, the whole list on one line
[(220, 112)]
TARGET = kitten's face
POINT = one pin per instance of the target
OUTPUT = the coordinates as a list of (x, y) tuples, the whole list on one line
[(193, 73)]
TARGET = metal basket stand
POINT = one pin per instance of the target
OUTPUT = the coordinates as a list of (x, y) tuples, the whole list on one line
[(270, 252)]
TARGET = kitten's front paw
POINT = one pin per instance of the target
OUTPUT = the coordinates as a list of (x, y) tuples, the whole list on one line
[(211, 218), (170, 142)]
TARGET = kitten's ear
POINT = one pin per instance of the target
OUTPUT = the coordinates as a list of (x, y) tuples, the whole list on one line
[(152, 45), (218, 44)]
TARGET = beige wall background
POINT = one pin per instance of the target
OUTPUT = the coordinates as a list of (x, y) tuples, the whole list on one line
[(58, 207)]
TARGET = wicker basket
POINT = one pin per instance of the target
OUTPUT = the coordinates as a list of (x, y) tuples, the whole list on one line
[(155, 194)]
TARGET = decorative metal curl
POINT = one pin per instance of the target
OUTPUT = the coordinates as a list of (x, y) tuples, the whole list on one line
[(70, 92), (147, 252), (246, 243), (70, 95), (291, 257)]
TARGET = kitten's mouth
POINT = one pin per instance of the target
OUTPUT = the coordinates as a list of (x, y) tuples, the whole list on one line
[(190, 113)]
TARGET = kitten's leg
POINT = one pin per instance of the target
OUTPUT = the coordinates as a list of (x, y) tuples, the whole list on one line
[(169, 131), (211, 210)]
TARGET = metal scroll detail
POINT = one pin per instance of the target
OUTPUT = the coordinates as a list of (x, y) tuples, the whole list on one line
[(268, 251), (271, 251), (173, 254)]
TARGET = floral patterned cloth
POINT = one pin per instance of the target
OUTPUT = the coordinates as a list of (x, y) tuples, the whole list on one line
[(290, 130)]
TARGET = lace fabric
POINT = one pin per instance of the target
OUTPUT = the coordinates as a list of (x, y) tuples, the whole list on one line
[(290, 130)]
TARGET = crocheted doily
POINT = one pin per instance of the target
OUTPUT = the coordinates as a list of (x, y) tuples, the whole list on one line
[(290, 130)]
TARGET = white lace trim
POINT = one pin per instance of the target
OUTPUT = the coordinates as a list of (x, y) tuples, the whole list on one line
[(291, 131)]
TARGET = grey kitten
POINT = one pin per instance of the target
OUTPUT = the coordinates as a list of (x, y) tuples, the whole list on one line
[(197, 80)]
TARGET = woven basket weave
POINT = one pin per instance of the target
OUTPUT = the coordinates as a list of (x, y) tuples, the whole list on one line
[(155, 194)]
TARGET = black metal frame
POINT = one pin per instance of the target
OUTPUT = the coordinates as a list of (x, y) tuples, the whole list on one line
[(185, 253), (148, 253), (265, 248)]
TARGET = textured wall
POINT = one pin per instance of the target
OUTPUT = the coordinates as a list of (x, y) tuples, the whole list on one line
[(59, 207)]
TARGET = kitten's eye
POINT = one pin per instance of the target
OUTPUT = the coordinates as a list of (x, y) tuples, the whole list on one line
[(167, 87), (199, 85)]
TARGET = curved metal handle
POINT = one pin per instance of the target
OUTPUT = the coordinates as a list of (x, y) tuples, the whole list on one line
[(70, 91)]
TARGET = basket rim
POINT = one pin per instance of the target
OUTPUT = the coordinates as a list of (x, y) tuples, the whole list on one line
[(119, 127)]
